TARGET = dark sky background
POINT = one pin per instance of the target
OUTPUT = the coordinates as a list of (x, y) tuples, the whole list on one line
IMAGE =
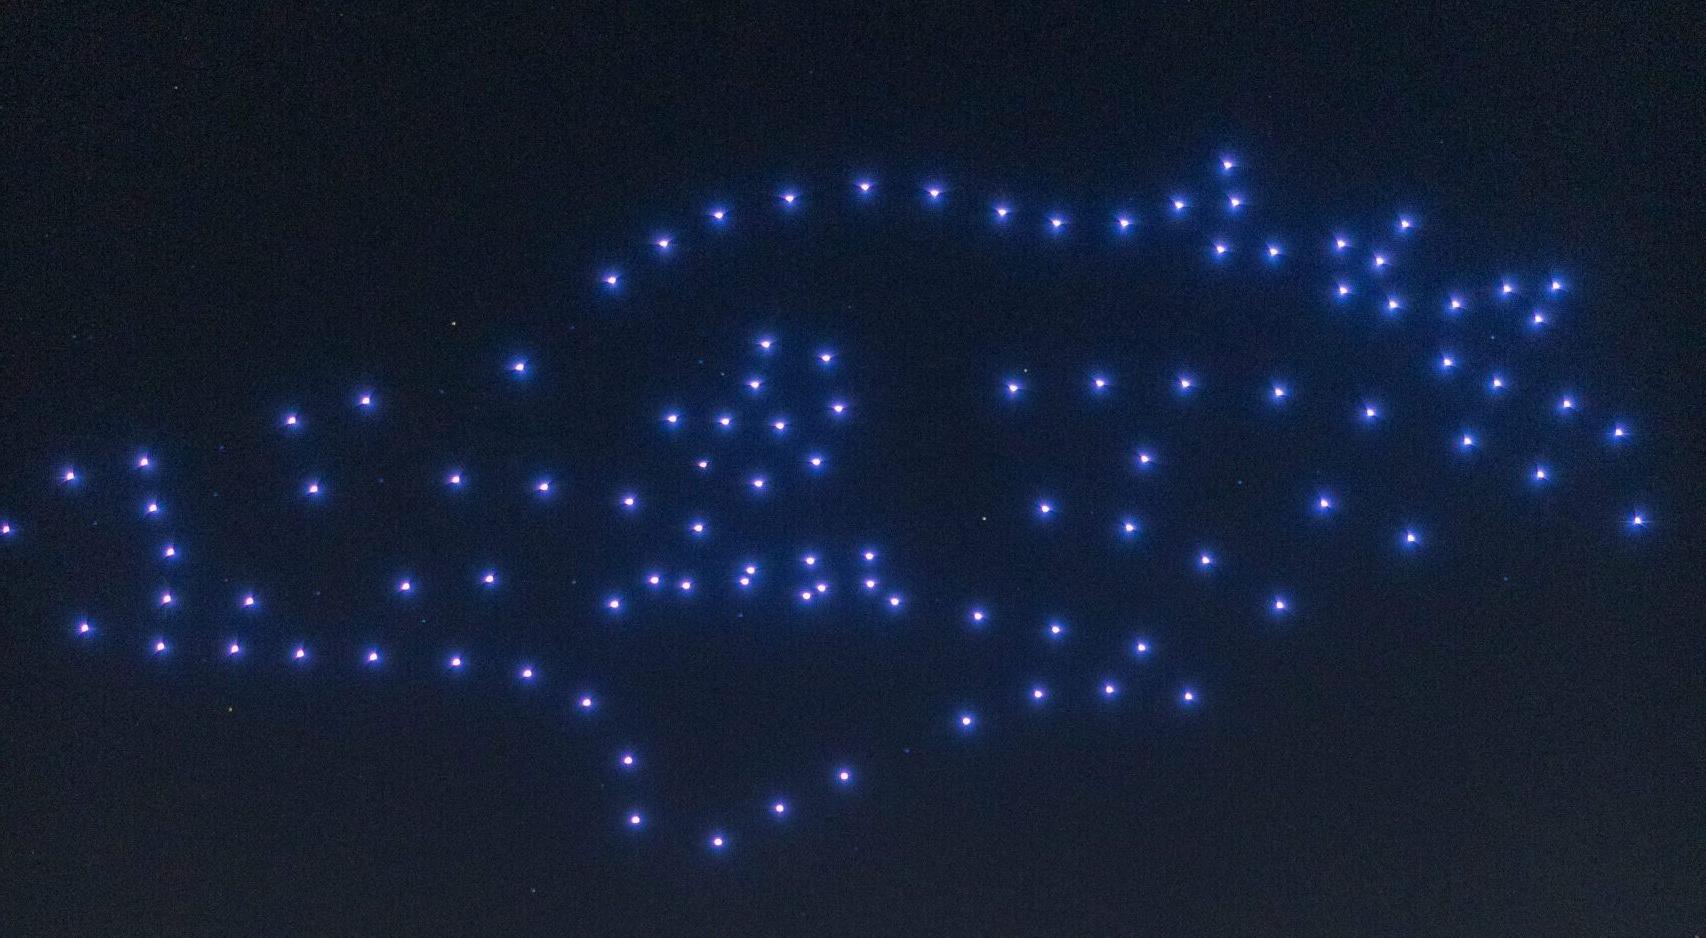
[(212, 218)]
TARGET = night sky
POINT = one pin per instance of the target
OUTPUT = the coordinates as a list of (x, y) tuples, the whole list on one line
[(1117, 566)]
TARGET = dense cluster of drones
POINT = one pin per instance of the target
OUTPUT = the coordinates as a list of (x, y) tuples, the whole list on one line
[(778, 424)]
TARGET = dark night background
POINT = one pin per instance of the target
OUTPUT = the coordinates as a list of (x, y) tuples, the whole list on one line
[(207, 213)]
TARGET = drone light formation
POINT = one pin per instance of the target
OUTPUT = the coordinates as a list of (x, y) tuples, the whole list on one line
[(779, 423)]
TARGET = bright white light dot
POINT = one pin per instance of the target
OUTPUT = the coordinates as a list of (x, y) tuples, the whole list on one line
[(1468, 441), (1189, 696), (159, 648), (934, 192), (654, 579), (585, 703), (634, 819), (1055, 629), (170, 551), (1037, 693), (405, 586), (1273, 250), (627, 760), (779, 808), (1369, 413), (366, 400), (455, 478), (1044, 508), (1539, 318), (869, 556), (544, 486), (977, 615), (838, 408), (864, 186), (518, 366), (1123, 222), (844, 776), (248, 601), (610, 280), (758, 482), (1447, 362), (1142, 648), (894, 602), (1456, 303), (966, 720), (1566, 404), (1617, 432), (822, 587), (373, 657), (165, 599), (613, 603), (718, 214), (1220, 247), (1099, 382), (234, 649), (779, 425), (1226, 164), (1380, 260), (1144, 458), (1129, 527), (1234, 201), (672, 417), (1410, 537), (1056, 222), (1344, 289), (1279, 391), (299, 653), (1340, 243), (1279, 604), (789, 197), (1392, 303), (1540, 473), (1324, 503), (456, 661), (745, 581), (870, 584), (1108, 690), (1204, 560), (725, 420), (662, 243), (703, 464), (816, 461), (1184, 383), (313, 488), (142, 462), (1012, 388), (83, 628), (686, 585), (717, 841), (153, 507), (1638, 520), (1497, 383), (290, 420), (697, 527), (489, 578), (1507, 288), (1556, 285)]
